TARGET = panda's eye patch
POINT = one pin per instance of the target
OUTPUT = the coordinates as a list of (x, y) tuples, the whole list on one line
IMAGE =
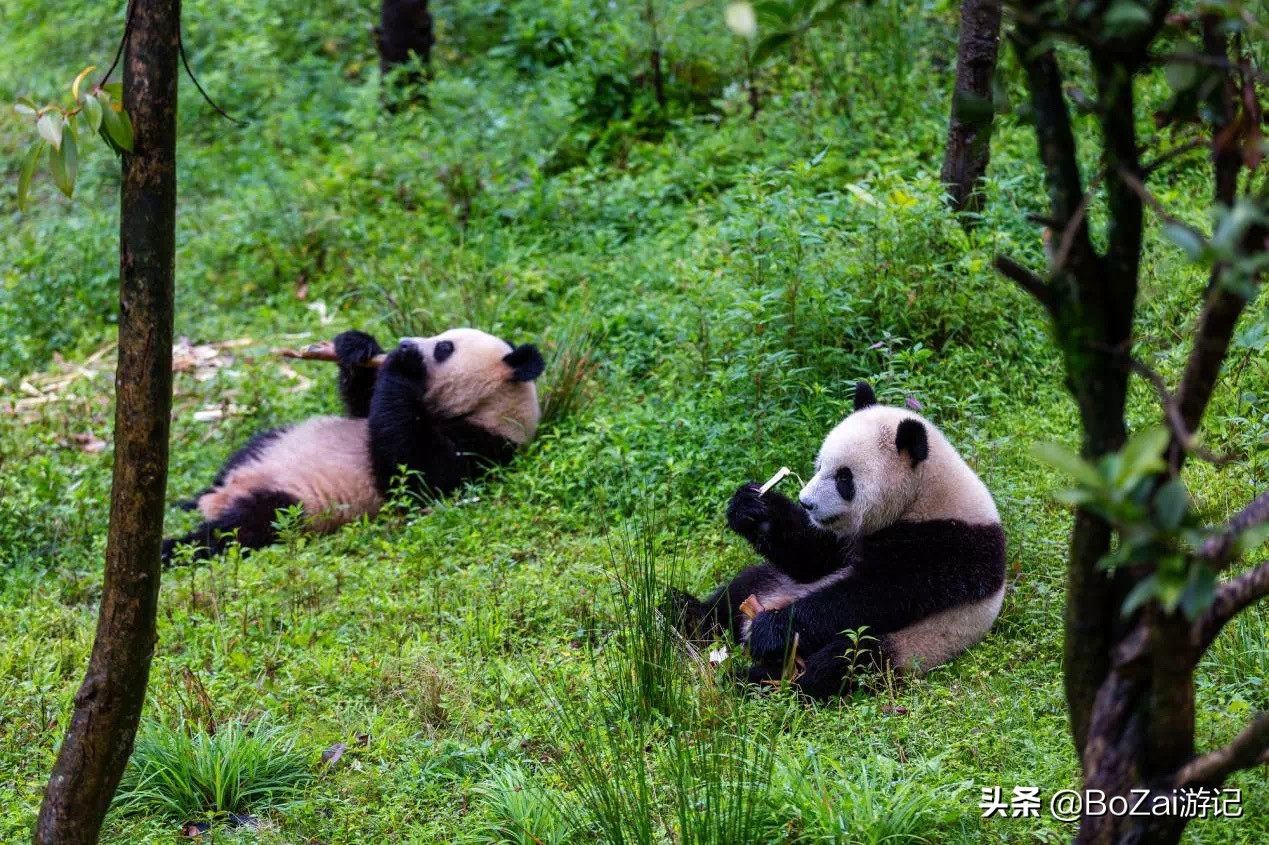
[(845, 481), (443, 350)]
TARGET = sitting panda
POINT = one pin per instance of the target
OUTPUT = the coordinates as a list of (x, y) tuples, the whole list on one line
[(445, 408), (893, 532)]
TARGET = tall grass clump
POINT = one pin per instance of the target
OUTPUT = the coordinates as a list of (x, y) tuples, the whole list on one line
[(187, 772), (820, 800), (571, 363), (652, 745), (519, 810)]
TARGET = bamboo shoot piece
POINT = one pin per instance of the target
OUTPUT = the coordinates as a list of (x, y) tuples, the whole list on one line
[(325, 351)]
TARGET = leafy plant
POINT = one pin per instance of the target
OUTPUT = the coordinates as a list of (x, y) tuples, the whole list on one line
[(58, 126)]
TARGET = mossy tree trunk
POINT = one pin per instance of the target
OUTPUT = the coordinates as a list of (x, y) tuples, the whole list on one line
[(405, 37), (108, 704), (969, 129), (1129, 679)]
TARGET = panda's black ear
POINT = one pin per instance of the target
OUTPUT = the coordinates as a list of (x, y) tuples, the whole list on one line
[(525, 362), (911, 438), (864, 397)]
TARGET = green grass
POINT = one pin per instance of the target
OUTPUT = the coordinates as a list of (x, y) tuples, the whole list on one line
[(707, 287)]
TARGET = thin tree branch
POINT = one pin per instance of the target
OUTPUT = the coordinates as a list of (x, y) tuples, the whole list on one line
[(1250, 748), (1232, 598), (1026, 280), (1176, 424), (1068, 232), (1219, 549), (127, 30), (1053, 130), (1173, 154), (1246, 68)]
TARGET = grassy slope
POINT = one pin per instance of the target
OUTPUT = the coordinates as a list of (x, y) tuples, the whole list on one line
[(741, 273)]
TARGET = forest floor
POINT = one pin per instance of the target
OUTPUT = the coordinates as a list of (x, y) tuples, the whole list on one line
[(485, 660)]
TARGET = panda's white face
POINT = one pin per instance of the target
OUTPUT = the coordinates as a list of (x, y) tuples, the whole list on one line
[(477, 375), (863, 481)]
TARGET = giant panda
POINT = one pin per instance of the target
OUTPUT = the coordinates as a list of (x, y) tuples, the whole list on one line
[(444, 408), (894, 534)]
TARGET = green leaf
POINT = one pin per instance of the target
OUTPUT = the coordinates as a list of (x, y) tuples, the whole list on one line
[(1139, 595), (92, 111), (1171, 503), (50, 128), (116, 124), (114, 90), (972, 108), (1064, 460), (1168, 588), (768, 46), (1143, 454), (1125, 17), (24, 110), (1251, 539), (28, 170), (1186, 238), (64, 163), (1075, 496), (1182, 76), (1200, 589)]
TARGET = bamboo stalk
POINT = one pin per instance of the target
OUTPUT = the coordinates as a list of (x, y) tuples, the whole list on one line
[(325, 351)]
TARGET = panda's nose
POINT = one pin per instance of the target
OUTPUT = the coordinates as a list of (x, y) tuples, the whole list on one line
[(810, 506)]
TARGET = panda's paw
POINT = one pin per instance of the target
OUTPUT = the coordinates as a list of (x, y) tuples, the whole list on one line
[(769, 635), (762, 519), (355, 348), (406, 361), (748, 513)]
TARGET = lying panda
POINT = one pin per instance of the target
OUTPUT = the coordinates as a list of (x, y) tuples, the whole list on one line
[(445, 408), (894, 532)]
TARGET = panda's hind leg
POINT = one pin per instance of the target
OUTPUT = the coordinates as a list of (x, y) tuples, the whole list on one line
[(836, 668), (720, 611), (248, 519)]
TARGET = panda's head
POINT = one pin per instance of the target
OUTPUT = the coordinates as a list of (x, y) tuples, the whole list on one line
[(869, 470), (480, 377)]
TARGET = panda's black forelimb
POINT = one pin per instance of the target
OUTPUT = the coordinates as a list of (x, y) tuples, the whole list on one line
[(899, 575), (441, 453), (782, 532), (356, 382)]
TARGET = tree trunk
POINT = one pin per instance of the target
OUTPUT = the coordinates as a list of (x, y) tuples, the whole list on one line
[(969, 130), (108, 704), (404, 34)]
